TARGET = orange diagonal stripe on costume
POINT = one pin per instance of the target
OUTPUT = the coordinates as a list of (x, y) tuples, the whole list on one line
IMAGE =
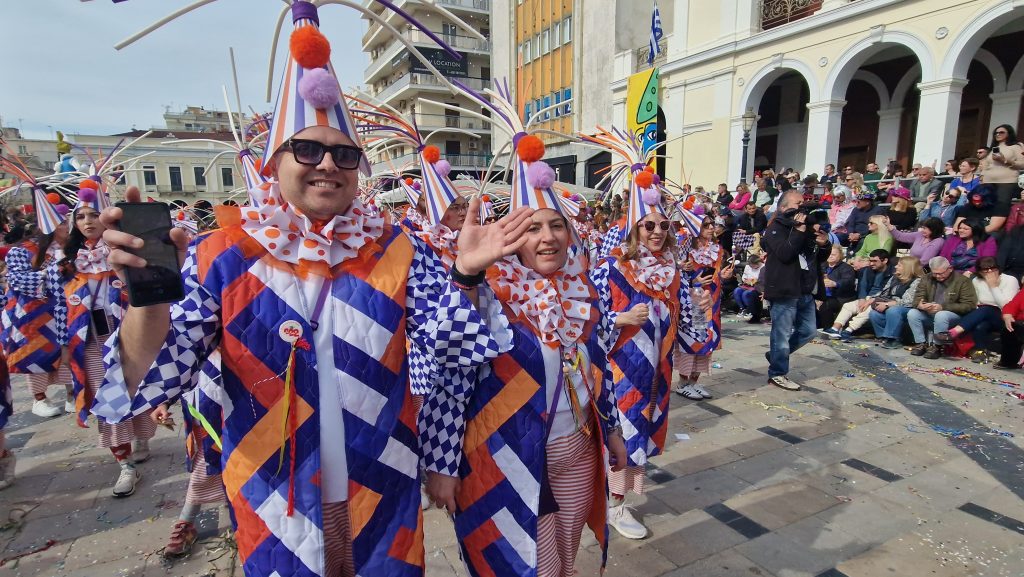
[(408, 545), (484, 475), (362, 502), (479, 540), (519, 388)]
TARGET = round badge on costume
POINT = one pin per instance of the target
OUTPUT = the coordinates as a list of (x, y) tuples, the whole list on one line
[(74, 300), (116, 283), (290, 331)]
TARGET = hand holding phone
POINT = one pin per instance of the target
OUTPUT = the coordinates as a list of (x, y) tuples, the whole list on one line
[(158, 280)]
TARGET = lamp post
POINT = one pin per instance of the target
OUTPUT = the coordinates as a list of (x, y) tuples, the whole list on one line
[(749, 118)]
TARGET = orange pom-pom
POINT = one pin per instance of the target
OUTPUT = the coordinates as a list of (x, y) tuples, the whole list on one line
[(566, 194), (89, 183), (648, 168), (644, 179), (688, 205), (431, 154), (53, 198), (310, 47), (181, 215), (408, 181), (486, 198), (530, 148)]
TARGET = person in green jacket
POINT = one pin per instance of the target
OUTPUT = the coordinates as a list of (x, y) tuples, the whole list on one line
[(878, 238), (940, 300)]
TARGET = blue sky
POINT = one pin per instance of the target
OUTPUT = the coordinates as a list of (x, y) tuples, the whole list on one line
[(60, 68)]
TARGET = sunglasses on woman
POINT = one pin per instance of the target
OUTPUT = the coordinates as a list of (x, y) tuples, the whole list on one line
[(664, 225), (311, 153)]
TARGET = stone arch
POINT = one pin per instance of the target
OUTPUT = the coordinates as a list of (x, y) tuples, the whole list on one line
[(760, 81), (856, 55), (909, 80), (1016, 80), (877, 83), (994, 67), (966, 44)]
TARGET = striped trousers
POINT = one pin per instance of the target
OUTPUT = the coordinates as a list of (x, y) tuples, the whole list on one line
[(630, 478), (572, 464), (137, 428), (337, 541), (202, 487), (39, 382)]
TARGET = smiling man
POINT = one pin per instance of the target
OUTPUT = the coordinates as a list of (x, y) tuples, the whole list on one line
[(311, 299)]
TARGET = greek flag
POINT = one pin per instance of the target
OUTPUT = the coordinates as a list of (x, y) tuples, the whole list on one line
[(656, 34)]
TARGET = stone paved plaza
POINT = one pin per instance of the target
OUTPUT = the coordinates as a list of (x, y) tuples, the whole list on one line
[(873, 469)]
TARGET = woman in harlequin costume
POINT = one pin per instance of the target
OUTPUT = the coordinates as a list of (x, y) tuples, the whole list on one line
[(96, 301), (705, 262), (531, 460), (7, 459), (311, 298), (648, 302), (35, 318)]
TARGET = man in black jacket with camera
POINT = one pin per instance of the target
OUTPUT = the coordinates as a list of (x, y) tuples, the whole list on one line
[(792, 279)]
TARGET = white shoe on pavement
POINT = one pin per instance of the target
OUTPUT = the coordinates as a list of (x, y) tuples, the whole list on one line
[(623, 521), (690, 392), (140, 451), (701, 391), (782, 381), (41, 408), (126, 481), (69, 406)]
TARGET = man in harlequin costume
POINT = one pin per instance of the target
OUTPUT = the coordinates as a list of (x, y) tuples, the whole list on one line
[(311, 298)]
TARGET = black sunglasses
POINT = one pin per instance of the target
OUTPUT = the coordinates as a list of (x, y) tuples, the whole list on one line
[(311, 153), (664, 225)]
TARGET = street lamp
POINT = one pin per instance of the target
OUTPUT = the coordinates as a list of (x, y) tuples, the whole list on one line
[(749, 118)]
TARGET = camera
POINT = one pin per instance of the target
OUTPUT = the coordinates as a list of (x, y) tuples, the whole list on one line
[(816, 215)]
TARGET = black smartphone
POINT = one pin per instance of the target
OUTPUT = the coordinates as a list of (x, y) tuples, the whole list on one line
[(160, 281)]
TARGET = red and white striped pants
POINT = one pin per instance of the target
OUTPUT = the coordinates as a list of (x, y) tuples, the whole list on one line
[(337, 541), (630, 478), (572, 464), (113, 434), (202, 487), (39, 382)]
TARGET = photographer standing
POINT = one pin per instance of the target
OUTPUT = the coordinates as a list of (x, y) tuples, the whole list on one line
[(792, 279)]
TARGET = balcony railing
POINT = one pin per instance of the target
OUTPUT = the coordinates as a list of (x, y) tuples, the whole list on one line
[(484, 5), (426, 81), (778, 12), (386, 56), (432, 121), (644, 51)]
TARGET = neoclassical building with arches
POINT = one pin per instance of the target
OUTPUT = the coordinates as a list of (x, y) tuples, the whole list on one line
[(832, 81)]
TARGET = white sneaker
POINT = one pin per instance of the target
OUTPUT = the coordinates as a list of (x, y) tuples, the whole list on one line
[(126, 481), (140, 451), (43, 409), (701, 391), (690, 392), (623, 521), (69, 407), (783, 381), (424, 499)]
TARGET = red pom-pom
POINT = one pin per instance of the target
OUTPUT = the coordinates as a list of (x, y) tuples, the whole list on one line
[(181, 215), (486, 198), (644, 179), (431, 154), (688, 205), (530, 148), (89, 183), (408, 181), (648, 168), (310, 47), (53, 198)]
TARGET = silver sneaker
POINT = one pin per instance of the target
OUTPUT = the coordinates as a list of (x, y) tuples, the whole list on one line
[(782, 381), (126, 481), (701, 391), (43, 409), (690, 392), (622, 520)]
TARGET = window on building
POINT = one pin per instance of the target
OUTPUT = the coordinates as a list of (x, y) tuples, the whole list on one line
[(545, 41), (528, 111), (558, 100), (547, 103), (227, 177), (567, 30), (200, 173), (174, 174), (22, 149), (149, 175), (526, 52), (536, 47), (556, 35), (567, 99)]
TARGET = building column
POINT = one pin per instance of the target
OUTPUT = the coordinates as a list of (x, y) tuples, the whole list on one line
[(888, 135), (824, 121), (1005, 108), (938, 120)]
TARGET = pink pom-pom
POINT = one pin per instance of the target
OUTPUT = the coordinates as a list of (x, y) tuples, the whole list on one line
[(651, 196), (575, 198), (698, 209), (62, 209), (416, 185), (87, 194), (657, 180), (443, 167), (540, 175), (319, 88)]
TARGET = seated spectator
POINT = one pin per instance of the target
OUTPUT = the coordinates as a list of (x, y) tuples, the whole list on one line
[(943, 207), (724, 198), (763, 193), (830, 175), (878, 238), (872, 176), (841, 206), (981, 206), (752, 221), (854, 314), (1012, 333), (940, 300), (925, 184), (746, 293), (967, 180), (856, 226), (826, 195), (926, 241), (889, 310), (995, 290), (968, 243), (840, 287), (900, 213), (809, 185), (1010, 252), (740, 200)]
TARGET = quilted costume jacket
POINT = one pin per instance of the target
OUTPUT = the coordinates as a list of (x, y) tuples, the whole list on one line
[(239, 298), (34, 317)]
